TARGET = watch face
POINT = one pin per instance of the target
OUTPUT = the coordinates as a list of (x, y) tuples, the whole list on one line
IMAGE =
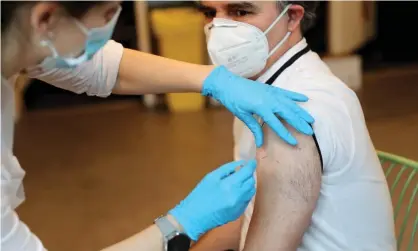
[(181, 242)]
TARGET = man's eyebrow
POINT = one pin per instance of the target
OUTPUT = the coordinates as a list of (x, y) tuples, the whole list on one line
[(203, 8), (246, 5)]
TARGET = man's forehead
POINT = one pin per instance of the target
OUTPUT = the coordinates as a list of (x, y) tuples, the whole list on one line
[(229, 4)]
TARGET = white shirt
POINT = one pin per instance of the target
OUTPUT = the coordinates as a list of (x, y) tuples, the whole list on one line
[(96, 77), (354, 209)]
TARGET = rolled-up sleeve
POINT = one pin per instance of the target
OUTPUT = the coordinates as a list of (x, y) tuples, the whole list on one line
[(15, 235), (96, 77)]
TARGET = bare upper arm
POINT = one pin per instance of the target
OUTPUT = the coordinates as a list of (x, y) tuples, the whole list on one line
[(288, 185)]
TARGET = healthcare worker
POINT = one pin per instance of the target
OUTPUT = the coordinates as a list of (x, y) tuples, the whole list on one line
[(60, 38)]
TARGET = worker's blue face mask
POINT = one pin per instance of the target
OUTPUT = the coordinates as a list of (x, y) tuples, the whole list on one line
[(96, 38)]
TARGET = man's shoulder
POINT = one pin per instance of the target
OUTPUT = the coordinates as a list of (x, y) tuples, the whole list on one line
[(332, 103), (313, 78)]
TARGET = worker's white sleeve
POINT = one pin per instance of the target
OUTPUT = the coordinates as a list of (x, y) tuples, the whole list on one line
[(15, 235), (96, 77)]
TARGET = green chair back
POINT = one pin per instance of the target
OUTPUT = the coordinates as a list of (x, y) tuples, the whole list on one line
[(401, 174)]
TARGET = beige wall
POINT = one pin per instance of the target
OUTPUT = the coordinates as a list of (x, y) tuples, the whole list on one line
[(350, 25)]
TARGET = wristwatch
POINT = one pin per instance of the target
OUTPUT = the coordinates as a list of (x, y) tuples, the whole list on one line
[(174, 239)]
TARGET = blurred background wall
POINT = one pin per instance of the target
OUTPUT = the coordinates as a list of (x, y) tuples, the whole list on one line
[(378, 31)]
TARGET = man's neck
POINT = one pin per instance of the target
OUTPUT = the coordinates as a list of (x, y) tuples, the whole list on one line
[(293, 39)]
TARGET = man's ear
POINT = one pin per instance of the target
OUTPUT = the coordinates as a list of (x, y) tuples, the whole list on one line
[(43, 17), (295, 13)]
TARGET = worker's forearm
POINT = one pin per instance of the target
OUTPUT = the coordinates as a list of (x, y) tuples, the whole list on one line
[(143, 73), (226, 237), (149, 239)]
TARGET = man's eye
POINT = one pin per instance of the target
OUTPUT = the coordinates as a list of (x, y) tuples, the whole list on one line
[(240, 13), (210, 14)]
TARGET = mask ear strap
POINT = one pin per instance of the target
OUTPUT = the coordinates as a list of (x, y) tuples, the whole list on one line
[(277, 19), (280, 43), (51, 47), (81, 27)]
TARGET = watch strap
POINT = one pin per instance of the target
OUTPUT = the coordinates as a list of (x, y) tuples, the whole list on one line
[(166, 227)]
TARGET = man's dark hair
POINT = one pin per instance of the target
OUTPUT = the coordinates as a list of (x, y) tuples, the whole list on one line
[(310, 8)]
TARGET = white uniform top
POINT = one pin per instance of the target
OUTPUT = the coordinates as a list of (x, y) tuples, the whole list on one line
[(96, 77), (354, 210)]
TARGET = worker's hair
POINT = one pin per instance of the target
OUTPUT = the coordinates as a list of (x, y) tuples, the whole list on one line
[(310, 7), (9, 9)]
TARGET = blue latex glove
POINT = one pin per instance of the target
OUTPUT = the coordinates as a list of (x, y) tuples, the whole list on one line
[(244, 97), (221, 197)]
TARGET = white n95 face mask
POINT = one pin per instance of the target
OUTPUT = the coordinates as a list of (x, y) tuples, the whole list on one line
[(96, 38), (242, 48)]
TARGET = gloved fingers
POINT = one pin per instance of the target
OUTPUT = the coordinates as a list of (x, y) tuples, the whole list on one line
[(254, 127), (293, 119), (227, 169), (293, 95), (249, 190), (248, 183), (305, 115), (296, 122), (243, 174), (300, 111), (278, 127)]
